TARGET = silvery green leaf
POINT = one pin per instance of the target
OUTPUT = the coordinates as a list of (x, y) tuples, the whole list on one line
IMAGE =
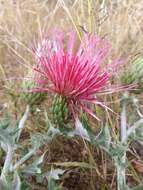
[(136, 130), (4, 185), (51, 184), (52, 176), (16, 184), (7, 131), (138, 188), (39, 160), (48, 123), (118, 150), (54, 173), (104, 138), (24, 185), (7, 184), (5, 137), (34, 167), (38, 140), (80, 130), (52, 132), (4, 123), (125, 188)]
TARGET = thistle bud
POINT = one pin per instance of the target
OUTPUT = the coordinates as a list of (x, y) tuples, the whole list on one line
[(31, 98), (134, 74), (60, 111)]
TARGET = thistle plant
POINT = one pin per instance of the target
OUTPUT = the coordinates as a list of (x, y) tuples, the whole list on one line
[(13, 169), (74, 74), (132, 75)]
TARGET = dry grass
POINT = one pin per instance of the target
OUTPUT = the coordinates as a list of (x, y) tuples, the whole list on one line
[(24, 21)]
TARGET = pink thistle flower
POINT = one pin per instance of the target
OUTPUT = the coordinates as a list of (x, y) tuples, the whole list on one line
[(73, 73)]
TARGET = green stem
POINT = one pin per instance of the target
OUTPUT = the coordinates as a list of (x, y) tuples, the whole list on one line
[(121, 166)]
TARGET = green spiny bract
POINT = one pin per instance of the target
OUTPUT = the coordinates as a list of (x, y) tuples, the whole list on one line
[(60, 111), (134, 74), (31, 98)]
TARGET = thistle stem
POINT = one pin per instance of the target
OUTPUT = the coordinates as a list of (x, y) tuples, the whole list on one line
[(123, 135), (121, 168)]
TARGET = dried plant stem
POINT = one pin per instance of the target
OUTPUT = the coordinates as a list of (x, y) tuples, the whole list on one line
[(90, 19)]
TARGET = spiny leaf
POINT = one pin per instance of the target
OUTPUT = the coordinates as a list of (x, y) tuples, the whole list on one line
[(34, 168), (80, 130), (54, 173), (52, 176), (104, 138)]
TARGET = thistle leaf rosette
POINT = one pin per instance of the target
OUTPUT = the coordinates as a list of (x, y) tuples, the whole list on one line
[(72, 72)]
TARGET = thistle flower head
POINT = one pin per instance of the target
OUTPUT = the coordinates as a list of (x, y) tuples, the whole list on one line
[(74, 73)]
